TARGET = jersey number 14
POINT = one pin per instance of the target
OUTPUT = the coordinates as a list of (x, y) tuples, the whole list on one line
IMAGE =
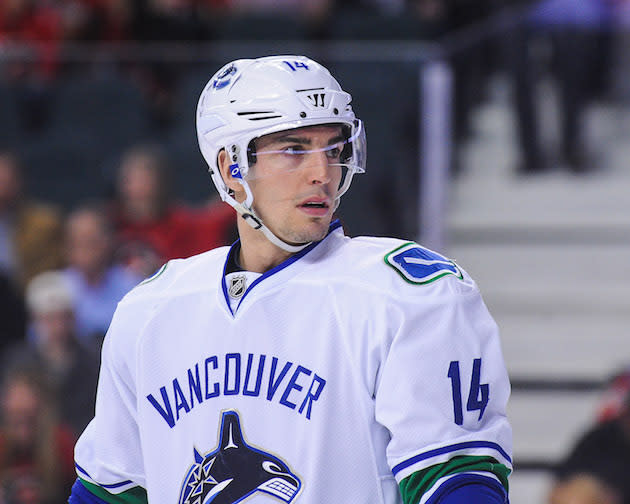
[(478, 395)]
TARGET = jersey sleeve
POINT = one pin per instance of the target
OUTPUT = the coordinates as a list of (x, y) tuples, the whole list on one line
[(442, 390), (107, 455)]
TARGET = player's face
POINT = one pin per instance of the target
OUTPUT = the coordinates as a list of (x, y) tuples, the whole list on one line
[(295, 180)]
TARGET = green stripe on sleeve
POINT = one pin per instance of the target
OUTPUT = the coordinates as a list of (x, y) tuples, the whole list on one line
[(135, 495), (414, 486)]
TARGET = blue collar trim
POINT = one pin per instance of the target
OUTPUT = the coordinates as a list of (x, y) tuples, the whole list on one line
[(333, 225)]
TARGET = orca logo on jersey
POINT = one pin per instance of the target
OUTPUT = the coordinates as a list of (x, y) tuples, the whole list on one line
[(419, 265), (235, 470)]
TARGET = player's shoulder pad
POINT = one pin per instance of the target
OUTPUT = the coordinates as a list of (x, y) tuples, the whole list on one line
[(419, 265)]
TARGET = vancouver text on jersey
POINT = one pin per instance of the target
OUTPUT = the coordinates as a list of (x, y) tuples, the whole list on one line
[(255, 376)]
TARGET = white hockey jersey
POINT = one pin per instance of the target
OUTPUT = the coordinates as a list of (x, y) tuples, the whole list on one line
[(339, 375)]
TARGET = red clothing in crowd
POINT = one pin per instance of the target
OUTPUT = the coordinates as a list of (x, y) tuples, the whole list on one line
[(38, 26), (22, 472), (181, 232)]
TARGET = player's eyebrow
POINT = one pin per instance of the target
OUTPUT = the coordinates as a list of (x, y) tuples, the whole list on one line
[(292, 139), (289, 138)]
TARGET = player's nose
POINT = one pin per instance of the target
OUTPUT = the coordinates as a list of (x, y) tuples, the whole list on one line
[(318, 168)]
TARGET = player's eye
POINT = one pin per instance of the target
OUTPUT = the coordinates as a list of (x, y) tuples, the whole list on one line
[(294, 150), (333, 152)]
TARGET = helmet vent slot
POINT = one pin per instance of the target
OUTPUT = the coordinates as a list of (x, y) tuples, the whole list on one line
[(266, 117), (260, 115)]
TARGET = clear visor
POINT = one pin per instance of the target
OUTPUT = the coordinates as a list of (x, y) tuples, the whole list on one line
[(331, 151)]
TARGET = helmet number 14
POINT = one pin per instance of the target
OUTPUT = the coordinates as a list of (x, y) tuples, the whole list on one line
[(294, 65), (478, 395)]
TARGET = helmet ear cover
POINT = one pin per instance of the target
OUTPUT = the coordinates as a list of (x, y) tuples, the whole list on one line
[(229, 190)]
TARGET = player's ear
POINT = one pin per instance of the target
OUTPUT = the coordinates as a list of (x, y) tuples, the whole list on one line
[(223, 161)]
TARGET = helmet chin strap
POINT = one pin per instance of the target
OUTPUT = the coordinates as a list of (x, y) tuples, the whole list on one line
[(256, 222), (246, 211)]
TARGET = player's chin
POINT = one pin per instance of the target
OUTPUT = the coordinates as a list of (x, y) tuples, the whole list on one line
[(320, 230), (314, 229)]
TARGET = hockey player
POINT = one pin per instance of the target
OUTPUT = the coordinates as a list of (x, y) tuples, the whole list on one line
[(299, 365)]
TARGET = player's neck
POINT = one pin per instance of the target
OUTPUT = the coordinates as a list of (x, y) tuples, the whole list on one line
[(257, 253)]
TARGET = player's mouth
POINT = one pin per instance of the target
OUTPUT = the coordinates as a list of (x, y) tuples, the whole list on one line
[(316, 207)]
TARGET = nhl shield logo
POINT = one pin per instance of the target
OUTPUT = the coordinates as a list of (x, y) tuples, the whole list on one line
[(238, 285), (235, 471)]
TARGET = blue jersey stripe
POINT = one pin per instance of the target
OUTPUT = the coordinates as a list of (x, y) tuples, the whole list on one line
[(447, 449), (81, 495), (113, 485), (469, 489)]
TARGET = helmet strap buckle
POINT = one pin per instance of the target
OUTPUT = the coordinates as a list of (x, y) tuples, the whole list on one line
[(252, 220)]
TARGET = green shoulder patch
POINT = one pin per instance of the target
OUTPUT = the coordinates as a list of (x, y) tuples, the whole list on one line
[(418, 265)]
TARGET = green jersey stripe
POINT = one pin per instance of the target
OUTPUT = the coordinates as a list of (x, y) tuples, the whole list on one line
[(135, 495), (414, 486)]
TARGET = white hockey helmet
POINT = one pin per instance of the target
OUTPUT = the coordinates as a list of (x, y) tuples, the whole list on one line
[(249, 98)]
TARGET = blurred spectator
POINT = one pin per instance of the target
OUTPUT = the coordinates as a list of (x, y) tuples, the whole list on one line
[(386, 7), (151, 226), (620, 57), (166, 21), (37, 27), (36, 450), (12, 314), (596, 470), (30, 232), (76, 19), (70, 371), (614, 397), (36, 24), (435, 18), (277, 19), (281, 6), (174, 20), (572, 29), (583, 489), (96, 281), (111, 20), (469, 61)]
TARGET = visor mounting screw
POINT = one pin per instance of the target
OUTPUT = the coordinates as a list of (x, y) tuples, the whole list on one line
[(302, 115), (336, 111)]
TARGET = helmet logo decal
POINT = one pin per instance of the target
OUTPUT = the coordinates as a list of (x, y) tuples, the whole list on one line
[(235, 471), (235, 171), (317, 99), (224, 78)]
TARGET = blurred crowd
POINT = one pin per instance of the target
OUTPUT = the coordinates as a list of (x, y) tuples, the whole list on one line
[(42, 28), (595, 469), (63, 270), (61, 277), (577, 42)]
